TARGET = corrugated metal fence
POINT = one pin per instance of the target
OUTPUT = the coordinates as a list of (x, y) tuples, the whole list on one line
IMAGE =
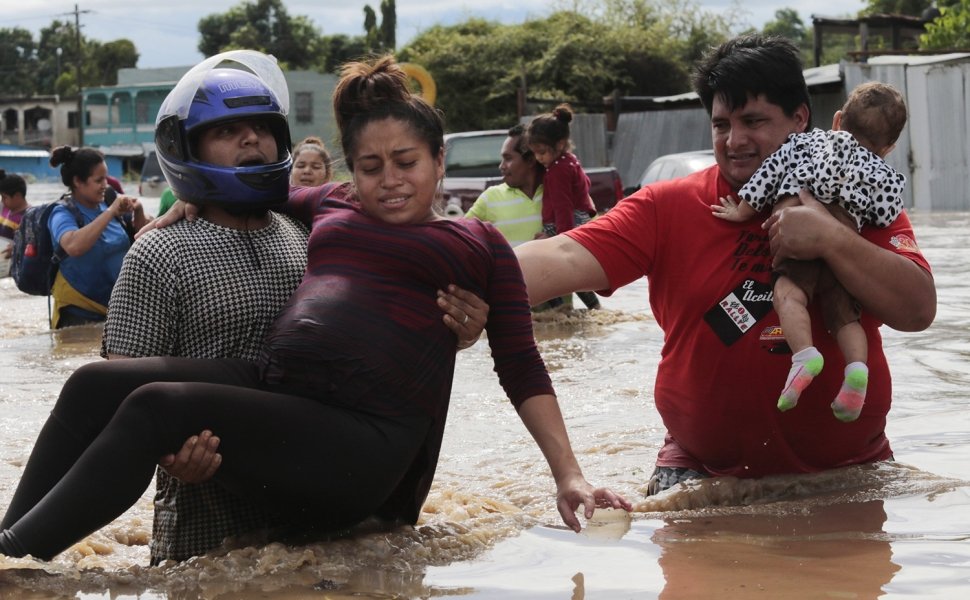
[(643, 136)]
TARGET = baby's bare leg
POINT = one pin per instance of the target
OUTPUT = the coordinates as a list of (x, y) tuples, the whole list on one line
[(841, 315), (791, 304), (853, 342)]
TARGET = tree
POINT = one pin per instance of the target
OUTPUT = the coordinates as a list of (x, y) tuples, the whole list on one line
[(676, 29), (388, 24), (266, 26), (61, 71), (55, 73), (341, 48), (650, 74), (98, 61), (18, 61), (370, 27), (913, 8), (951, 30), (107, 58), (28, 67), (788, 24), (479, 65), (381, 38), (578, 61), (474, 93)]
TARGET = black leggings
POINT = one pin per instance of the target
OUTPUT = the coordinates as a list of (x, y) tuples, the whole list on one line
[(328, 466)]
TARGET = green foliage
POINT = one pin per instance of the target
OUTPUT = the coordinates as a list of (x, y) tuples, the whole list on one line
[(296, 43), (341, 48), (787, 23), (18, 58), (913, 8), (677, 29), (951, 30), (266, 26), (28, 67), (578, 59), (388, 25), (635, 47), (476, 66), (370, 26), (381, 38), (111, 56)]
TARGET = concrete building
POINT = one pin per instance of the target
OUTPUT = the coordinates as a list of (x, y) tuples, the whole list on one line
[(38, 121)]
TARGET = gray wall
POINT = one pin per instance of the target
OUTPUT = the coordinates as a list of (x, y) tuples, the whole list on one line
[(643, 136), (588, 134), (322, 123)]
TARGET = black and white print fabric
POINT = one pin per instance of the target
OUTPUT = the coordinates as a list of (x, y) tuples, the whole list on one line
[(835, 168)]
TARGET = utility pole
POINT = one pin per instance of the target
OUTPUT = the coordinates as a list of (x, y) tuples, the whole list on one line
[(77, 75), (77, 72)]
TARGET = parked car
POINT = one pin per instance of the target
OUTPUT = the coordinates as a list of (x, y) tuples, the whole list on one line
[(152, 182), (671, 166), (471, 165)]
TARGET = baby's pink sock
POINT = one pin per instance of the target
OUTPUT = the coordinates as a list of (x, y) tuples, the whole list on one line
[(805, 365), (848, 404)]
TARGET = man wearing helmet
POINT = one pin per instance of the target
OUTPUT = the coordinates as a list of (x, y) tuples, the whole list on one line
[(210, 287), (216, 100)]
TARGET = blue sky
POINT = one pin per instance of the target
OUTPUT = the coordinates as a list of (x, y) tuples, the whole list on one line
[(165, 34)]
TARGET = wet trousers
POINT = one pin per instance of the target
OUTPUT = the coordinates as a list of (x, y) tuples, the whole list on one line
[(326, 465)]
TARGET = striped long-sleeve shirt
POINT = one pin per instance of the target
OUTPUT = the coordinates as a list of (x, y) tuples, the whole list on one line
[(364, 329)]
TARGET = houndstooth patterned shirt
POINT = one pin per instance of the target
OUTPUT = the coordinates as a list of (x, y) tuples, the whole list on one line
[(201, 290)]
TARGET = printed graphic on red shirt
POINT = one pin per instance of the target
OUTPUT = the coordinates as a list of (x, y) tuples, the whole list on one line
[(752, 252), (740, 310), (773, 340), (904, 243)]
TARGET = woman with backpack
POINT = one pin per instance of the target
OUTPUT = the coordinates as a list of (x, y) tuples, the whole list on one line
[(93, 235)]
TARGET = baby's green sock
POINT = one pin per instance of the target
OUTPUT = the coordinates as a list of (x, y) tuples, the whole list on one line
[(805, 365), (848, 404)]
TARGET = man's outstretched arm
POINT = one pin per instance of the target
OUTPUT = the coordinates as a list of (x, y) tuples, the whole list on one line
[(556, 266)]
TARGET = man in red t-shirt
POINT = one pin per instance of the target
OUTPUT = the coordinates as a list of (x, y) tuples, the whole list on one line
[(724, 357)]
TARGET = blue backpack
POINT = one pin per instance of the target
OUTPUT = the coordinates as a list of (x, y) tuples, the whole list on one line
[(35, 257)]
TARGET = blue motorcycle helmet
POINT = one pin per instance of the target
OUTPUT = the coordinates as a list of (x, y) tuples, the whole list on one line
[(212, 93)]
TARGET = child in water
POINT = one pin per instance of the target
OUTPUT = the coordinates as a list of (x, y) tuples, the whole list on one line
[(845, 170), (565, 198), (13, 191)]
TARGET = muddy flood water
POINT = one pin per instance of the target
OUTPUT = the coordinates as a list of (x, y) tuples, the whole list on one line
[(490, 527)]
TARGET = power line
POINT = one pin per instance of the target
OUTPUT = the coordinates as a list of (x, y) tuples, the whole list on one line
[(12, 23)]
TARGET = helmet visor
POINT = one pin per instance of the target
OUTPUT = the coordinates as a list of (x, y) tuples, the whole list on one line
[(179, 100)]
